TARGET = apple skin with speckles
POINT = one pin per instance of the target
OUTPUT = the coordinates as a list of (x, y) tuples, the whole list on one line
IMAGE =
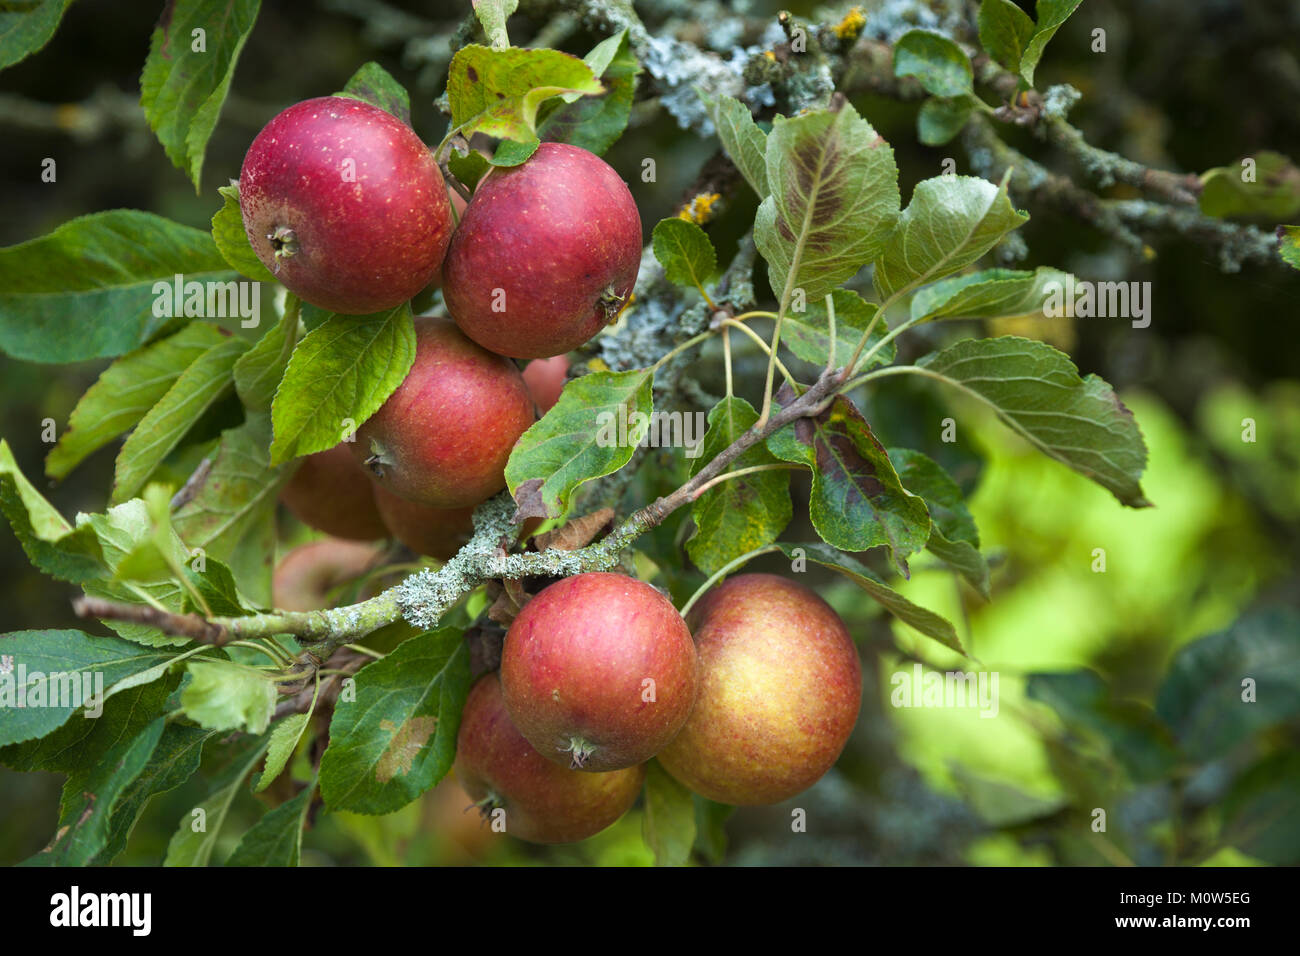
[(345, 205), (436, 532), (443, 437), (330, 492), (780, 688), (543, 802), (599, 671), (546, 255)]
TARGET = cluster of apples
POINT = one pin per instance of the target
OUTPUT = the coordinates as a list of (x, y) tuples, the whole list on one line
[(748, 701), (346, 206)]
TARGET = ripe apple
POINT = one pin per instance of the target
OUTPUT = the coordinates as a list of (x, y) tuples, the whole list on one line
[(332, 493), (437, 532), (545, 379), (345, 205), (443, 438), (543, 802), (307, 574), (546, 255), (599, 671), (780, 686)]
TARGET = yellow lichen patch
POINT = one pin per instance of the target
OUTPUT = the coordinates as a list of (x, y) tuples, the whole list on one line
[(700, 209), (405, 746), (771, 55), (851, 25)]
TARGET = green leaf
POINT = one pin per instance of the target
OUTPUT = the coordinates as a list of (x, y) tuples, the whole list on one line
[(232, 239), (159, 554), (374, 85), (121, 530), (215, 584), (512, 153), (284, 741), (954, 538), (992, 293), (685, 252), (1051, 14), (226, 696), (398, 738), (1262, 811), (1130, 731), (90, 798), (595, 123), (124, 392), (56, 673), (668, 824), (493, 14), (807, 333), (1001, 805), (938, 63), (1288, 245), (950, 222), (51, 544), (259, 371), (232, 516), (834, 201), (857, 500), (913, 615), (26, 27), (741, 514), (86, 290), (942, 118), (1273, 192), (471, 166), (195, 838), (1005, 32), (276, 839), (1204, 697), (187, 76), (710, 828), (174, 760), (498, 92), (79, 745), (343, 370), (591, 432), (207, 379), (1037, 392), (741, 138)]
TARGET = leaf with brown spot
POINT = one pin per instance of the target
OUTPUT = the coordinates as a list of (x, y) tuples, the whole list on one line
[(405, 746), (857, 499), (834, 200), (397, 739)]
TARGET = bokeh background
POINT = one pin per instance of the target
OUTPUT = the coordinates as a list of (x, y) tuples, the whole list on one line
[(1184, 84)]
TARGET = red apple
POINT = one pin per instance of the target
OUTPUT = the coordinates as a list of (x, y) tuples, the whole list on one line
[(345, 205), (546, 255), (599, 671), (437, 532), (545, 379), (307, 574), (332, 493), (443, 438), (780, 686), (543, 802)]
